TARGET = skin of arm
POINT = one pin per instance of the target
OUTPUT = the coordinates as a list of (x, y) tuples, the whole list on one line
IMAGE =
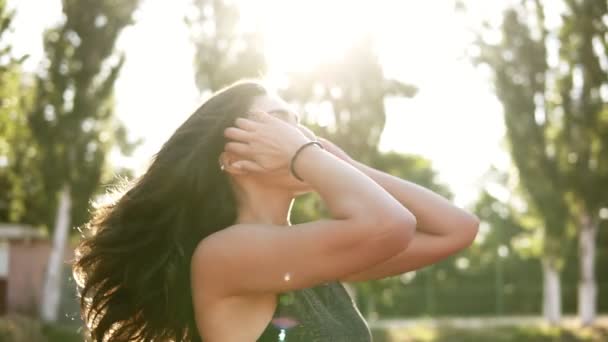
[(442, 228)]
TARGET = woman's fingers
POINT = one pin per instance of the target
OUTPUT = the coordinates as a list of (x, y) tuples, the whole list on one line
[(260, 116), (249, 165), (237, 134), (238, 148), (247, 124)]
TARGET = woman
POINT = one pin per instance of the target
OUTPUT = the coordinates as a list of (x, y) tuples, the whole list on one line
[(201, 247)]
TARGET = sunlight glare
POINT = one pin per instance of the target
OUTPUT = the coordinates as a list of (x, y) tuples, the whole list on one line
[(294, 42)]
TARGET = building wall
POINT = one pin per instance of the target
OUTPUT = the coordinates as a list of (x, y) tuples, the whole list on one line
[(26, 271)]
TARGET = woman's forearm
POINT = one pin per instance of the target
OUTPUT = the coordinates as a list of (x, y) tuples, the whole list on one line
[(434, 214), (347, 192)]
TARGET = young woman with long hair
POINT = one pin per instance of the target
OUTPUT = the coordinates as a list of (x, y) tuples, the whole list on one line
[(201, 248)]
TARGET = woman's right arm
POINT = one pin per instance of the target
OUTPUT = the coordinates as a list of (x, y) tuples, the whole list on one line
[(367, 226)]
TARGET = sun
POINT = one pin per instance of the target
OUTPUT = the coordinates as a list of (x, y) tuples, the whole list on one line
[(301, 34)]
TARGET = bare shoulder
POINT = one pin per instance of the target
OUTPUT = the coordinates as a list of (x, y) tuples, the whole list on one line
[(225, 242), (209, 250), (205, 264)]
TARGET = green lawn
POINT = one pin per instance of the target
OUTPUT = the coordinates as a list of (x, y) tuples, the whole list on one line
[(488, 331), (22, 329), (15, 328)]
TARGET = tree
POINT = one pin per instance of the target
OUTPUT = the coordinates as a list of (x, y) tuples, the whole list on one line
[(17, 155), (224, 52), (519, 65), (564, 102), (584, 131), (350, 92), (72, 119), (511, 236)]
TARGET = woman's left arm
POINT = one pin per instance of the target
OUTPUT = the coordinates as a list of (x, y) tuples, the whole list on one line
[(442, 228)]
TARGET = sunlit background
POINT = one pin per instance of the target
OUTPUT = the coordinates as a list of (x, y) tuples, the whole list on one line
[(454, 120), (500, 106)]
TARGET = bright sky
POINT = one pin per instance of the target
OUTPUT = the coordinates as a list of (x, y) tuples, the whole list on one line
[(455, 120)]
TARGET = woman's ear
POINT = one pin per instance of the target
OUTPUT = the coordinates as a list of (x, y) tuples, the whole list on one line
[(228, 163)]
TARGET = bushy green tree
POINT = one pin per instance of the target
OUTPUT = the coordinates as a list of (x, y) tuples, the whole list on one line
[(519, 64), (354, 87), (19, 180), (224, 53), (551, 83), (579, 97), (72, 119)]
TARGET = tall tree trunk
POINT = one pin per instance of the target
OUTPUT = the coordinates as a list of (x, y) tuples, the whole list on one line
[(372, 313), (587, 287), (552, 300), (52, 284)]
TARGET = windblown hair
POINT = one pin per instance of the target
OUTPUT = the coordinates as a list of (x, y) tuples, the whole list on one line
[(132, 269)]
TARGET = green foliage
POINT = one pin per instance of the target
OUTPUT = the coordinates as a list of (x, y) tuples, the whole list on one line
[(18, 164), (414, 168), (579, 96), (224, 52), (519, 64), (496, 275), (72, 117), (552, 82), (59, 333), (507, 223), (20, 329), (555, 111), (15, 328), (18, 168), (350, 92)]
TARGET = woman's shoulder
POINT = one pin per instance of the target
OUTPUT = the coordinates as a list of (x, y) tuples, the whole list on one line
[(218, 241)]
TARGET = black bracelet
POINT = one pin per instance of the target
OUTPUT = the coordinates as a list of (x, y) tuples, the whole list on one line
[(293, 172)]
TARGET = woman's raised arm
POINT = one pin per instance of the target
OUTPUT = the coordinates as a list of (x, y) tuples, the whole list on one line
[(367, 224)]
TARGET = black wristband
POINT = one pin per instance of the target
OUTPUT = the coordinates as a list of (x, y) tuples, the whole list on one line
[(293, 172)]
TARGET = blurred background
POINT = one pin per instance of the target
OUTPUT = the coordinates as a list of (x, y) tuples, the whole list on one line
[(500, 106)]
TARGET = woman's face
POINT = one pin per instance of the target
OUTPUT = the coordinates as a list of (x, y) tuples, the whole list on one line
[(274, 105)]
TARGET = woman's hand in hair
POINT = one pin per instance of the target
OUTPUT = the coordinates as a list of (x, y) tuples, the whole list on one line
[(266, 142)]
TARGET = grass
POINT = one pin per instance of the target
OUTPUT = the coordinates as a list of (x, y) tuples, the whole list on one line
[(16, 328), (23, 329), (532, 331)]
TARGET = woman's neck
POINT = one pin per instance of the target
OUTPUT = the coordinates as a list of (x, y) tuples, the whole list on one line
[(260, 203)]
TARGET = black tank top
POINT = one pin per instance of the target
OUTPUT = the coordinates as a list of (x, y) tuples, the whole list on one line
[(324, 313)]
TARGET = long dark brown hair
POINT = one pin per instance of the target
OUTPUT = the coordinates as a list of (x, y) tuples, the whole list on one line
[(132, 269)]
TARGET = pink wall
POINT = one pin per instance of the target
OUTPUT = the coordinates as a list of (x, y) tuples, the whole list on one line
[(26, 268)]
